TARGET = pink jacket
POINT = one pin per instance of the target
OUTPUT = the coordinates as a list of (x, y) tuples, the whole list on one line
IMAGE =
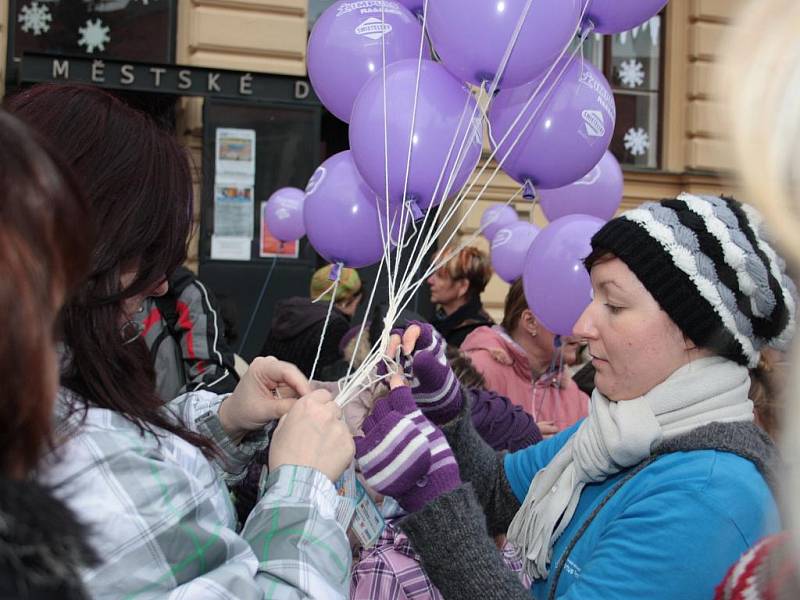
[(490, 347)]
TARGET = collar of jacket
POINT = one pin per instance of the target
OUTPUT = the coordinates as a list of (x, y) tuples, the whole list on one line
[(42, 545)]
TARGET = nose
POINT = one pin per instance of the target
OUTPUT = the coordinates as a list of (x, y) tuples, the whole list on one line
[(162, 288), (584, 327), (429, 280)]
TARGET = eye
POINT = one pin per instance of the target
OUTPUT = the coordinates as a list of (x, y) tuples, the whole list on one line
[(614, 310)]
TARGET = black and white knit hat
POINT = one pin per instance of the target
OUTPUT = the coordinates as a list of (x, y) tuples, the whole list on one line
[(706, 262)]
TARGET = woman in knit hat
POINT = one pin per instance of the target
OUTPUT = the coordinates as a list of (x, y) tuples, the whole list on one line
[(666, 481)]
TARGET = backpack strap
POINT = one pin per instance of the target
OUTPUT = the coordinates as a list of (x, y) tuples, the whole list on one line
[(743, 439)]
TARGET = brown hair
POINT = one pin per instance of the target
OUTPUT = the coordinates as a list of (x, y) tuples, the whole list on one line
[(469, 263), (44, 251), (767, 383), (466, 373), (137, 180), (514, 307)]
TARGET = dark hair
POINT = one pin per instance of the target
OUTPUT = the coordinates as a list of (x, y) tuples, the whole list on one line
[(44, 252), (514, 307), (138, 183)]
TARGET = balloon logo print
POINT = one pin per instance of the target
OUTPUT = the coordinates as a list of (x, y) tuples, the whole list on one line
[(595, 125), (373, 28), (591, 177), (316, 179), (501, 238)]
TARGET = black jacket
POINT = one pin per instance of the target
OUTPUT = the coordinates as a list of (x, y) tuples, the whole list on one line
[(456, 327), (296, 332), (42, 546)]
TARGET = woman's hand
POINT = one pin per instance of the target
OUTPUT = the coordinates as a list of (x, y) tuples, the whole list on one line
[(436, 390), (267, 391), (312, 434)]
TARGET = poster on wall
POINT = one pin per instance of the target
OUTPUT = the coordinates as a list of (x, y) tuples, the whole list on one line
[(233, 222), (270, 245), (230, 248), (236, 155)]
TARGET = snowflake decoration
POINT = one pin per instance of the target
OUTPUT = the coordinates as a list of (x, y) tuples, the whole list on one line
[(631, 73), (94, 36), (35, 17), (637, 141)]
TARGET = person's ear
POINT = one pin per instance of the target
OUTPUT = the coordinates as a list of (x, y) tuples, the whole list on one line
[(462, 287), (529, 323), (688, 344)]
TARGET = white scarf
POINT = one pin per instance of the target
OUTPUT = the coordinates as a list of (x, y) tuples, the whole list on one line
[(617, 435)]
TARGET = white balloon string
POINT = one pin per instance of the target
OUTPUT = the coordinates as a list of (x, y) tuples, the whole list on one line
[(366, 317), (400, 296), (327, 318)]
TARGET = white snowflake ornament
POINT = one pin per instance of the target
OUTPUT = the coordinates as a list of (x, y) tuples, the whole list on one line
[(94, 36), (35, 18), (631, 73), (637, 141)]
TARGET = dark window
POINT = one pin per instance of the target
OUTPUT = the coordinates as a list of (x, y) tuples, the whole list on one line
[(633, 64), (140, 30)]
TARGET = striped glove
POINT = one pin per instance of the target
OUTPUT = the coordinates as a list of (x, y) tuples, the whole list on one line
[(403, 456), (433, 383)]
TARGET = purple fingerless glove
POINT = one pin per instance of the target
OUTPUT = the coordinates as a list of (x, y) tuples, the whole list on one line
[(434, 386), (403, 455)]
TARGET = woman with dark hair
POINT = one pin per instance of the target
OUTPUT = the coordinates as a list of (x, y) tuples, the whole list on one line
[(44, 252), (150, 478), (666, 482)]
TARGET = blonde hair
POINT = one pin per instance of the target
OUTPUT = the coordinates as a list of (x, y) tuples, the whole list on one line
[(469, 263), (761, 85)]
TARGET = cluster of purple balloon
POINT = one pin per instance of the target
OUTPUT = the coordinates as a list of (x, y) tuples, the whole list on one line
[(554, 254), (343, 218), (416, 133)]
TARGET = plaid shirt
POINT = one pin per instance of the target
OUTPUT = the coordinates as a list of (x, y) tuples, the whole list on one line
[(162, 521), (390, 570)]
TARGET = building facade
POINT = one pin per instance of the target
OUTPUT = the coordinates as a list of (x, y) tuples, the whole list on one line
[(678, 137)]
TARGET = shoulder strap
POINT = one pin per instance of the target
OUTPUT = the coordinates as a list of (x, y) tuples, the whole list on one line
[(743, 439), (169, 312)]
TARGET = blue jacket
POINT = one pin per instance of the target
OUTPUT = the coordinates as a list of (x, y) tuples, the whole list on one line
[(672, 531)]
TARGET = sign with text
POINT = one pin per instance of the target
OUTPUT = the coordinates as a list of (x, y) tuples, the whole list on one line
[(179, 80)]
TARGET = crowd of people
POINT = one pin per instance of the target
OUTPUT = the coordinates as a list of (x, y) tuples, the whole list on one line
[(142, 460)]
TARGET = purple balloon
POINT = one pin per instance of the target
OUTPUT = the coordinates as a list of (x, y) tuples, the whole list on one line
[(566, 137), (284, 214), (444, 108), (510, 246), (556, 283), (495, 218), (346, 48), (598, 193), (341, 214), (415, 6), (616, 16), (471, 36)]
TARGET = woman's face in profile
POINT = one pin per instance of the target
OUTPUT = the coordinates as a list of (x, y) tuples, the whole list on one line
[(634, 344)]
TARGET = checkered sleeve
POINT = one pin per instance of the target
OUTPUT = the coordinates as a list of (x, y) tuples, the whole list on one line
[(162, 523), (199, 411), (302, 550)]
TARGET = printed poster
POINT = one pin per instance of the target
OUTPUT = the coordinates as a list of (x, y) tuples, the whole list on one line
[(271, 246), (236, 154)]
